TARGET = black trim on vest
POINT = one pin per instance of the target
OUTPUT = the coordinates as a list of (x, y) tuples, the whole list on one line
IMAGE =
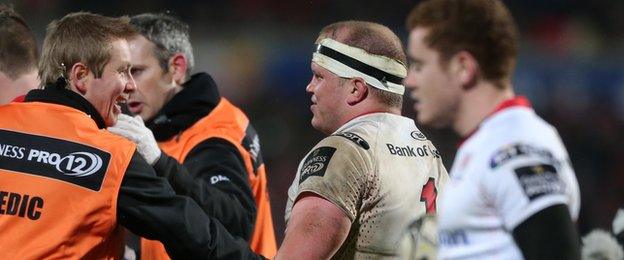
[(198, 97), (58, 94)]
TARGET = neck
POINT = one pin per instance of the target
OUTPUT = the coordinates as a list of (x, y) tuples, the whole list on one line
[(365, 110), (477, 104), (20, 86), (172, 92)]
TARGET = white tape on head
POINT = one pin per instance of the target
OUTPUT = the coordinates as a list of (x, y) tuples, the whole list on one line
[(349, 62)]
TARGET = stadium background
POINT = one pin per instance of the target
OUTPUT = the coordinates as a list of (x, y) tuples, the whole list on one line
[(571, 66)]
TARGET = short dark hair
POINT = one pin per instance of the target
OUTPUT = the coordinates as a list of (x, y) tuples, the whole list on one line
[(374, 38), (484, 28), (80, 37), (169, 34), (18, 46)]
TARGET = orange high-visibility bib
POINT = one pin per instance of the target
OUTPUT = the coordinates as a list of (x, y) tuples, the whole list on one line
[(59, 180), (226, 122)]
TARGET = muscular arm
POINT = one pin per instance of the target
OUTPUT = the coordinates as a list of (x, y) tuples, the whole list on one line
[(316, 229), (548, 234), (214, 175), (148, 206)]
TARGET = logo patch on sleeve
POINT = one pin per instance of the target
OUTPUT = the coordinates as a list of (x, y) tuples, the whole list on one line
[(316, 163), (539, 180), (511, 152), (355, 138)]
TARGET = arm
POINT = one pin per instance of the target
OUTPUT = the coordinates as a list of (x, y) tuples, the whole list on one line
[(214, 175), (230, 201), (532, 194), (326, 197), (548, 234), (148, 206), (316, 223)]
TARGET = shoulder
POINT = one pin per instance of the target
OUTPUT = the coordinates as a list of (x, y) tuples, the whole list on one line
[(361, 132), (515, 142), (353, 137), (335, 144), (519, 135), (226, 107), (214, 145), (334, 154), (348, 141), (517, 124)]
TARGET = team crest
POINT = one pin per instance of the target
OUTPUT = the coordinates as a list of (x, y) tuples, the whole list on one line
[(418, 136), (538, 180)]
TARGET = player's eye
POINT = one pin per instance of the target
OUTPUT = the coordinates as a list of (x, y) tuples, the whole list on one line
[(136, 72), (415, 66)]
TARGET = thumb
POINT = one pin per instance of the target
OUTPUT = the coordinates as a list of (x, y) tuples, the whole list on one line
[(123, 117), (123, 133), (138, 119)]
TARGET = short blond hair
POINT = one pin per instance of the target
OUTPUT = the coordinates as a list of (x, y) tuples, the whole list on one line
[(80, 37)]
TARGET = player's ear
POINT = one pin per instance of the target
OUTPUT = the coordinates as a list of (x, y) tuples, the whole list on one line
[(358, 91), (465, 67), (79, 77), (177, 67)]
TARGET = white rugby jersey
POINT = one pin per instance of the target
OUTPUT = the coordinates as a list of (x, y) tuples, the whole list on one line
[(374, 168), (513, 166)]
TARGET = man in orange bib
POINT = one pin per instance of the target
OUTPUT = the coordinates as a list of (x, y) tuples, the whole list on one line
[(67, 184), (219, 163)]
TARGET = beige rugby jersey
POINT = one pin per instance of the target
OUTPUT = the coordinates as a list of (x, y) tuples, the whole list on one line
[(382, 172)]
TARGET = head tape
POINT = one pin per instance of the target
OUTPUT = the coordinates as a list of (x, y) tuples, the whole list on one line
[(349, 62)]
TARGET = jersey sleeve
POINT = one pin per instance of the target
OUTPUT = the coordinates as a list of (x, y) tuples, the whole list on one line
[(336, 170), (520, 185)]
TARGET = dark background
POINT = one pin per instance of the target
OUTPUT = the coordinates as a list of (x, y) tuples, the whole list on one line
[(571, 66)]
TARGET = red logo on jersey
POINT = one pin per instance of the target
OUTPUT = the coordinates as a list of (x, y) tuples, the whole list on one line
[(429, 195)]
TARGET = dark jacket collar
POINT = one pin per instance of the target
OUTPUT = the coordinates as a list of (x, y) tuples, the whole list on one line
[(198, 97), (58, 94)]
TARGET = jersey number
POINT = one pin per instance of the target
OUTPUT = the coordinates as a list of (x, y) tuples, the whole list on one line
[(428, 196)]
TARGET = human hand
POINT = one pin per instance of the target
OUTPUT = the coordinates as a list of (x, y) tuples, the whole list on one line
[(600, 244), (135, 130)]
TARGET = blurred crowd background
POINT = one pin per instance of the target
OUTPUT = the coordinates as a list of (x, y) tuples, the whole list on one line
[(571, 66)]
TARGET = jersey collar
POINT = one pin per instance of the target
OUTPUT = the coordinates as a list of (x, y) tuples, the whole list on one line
[(517, 101)]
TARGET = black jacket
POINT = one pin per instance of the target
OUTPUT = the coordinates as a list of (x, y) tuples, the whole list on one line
[(148, 206), (213, 173)]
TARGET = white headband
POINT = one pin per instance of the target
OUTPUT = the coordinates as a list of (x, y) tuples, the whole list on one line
[(349, 62)]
